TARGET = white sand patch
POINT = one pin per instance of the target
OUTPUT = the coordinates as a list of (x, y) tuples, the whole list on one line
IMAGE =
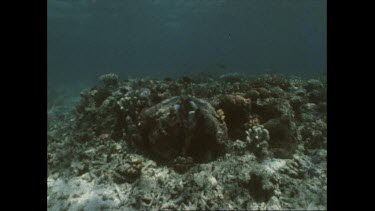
[(79, 194)]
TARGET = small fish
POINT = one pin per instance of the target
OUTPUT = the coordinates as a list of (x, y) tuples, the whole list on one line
[(230, 36)]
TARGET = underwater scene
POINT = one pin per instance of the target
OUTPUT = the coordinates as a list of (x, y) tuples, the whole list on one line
[(186, 105)]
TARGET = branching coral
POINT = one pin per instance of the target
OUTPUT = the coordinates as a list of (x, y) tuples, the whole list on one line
[(257, 138)]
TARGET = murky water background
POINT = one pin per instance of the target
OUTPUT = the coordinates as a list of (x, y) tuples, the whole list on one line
[(87, 38)]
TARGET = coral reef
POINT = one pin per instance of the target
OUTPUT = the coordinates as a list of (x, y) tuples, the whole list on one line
[(191, 143)]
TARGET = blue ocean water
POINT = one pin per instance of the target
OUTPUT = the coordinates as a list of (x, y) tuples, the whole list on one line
[(169, 38)]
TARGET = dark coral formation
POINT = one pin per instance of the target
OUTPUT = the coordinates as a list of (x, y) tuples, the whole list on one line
[(237, 110)]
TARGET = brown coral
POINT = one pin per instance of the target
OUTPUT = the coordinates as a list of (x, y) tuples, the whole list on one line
[(237, 110)]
